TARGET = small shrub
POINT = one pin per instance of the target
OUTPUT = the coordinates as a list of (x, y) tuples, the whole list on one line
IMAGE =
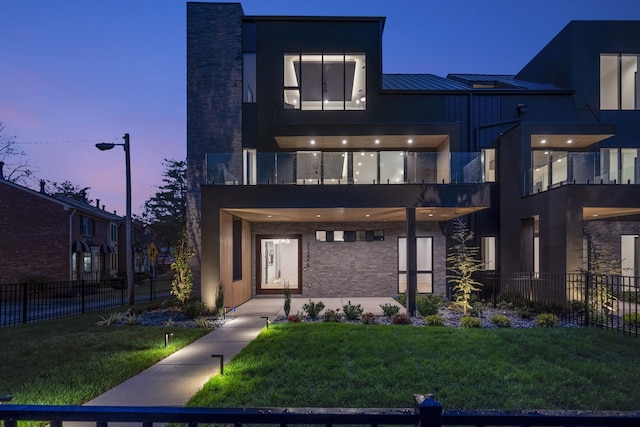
[(389, 310), (313, 309), (332, 315), (631, 320), (202, 322), (476, 309), (295, 318), (524, 312), (352, 312), (193, 308), (368, 318), (220, 299), (547, 320), (110, 319), (470, 322), (500, 320), (287, 300), (434, 320), (428, 304), (577, 307), (505, 305), (402, 299), (131, 318), (400, 319)]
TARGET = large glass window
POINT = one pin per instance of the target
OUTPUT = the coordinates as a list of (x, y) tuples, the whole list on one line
[(365, 167), (335, 167), (391, 167), (325, 81), (309, 167), (279, 264), (549, 169), (619, 82), (424, 264)]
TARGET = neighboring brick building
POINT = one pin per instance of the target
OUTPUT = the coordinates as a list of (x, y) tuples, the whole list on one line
[(55, 238)]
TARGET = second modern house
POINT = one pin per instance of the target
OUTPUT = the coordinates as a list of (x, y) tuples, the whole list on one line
[(309, 168)]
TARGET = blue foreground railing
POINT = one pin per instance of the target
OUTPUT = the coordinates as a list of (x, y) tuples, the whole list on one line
[(426, 412)]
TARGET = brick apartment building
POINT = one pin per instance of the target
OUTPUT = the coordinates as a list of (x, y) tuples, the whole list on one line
[(46, 237)]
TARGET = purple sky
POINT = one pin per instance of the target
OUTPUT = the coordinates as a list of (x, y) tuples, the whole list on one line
[(76, 72)]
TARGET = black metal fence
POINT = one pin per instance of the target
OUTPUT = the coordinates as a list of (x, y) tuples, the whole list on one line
[(31, 302), (580, 298), (427, 411)]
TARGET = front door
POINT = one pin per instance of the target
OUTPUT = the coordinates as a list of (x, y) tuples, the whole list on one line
[(278, 261)]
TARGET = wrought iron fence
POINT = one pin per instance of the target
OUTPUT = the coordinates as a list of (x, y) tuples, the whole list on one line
[(427, 411), (31, 302), (580, 298)]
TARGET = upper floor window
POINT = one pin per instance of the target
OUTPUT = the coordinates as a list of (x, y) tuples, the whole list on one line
[(325, 81), (619, 82), (87, 226), (113, 233), (249, 78)]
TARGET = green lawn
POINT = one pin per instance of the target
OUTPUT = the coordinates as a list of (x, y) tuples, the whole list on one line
[(69, 361), (346, 365)]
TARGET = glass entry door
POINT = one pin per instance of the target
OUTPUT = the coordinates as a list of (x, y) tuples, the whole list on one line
[(278, 261)]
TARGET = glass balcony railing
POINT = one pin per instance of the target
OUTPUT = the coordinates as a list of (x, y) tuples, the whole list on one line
[(335, 168), (577, 168)]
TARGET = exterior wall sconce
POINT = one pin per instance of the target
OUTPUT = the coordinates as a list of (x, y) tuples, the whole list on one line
[(521, 108)]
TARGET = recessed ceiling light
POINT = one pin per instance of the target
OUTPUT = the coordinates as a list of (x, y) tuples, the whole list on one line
[(359, 164), (569, 141), (326, 101), (377, 141), (344, 141), (367, 215), (595, 214), (410, 141), (544, 141), (268, 216), (318, 216), (313, 142), (430, 214)]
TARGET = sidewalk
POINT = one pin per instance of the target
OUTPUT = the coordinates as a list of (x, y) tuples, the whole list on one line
[(175, 379)]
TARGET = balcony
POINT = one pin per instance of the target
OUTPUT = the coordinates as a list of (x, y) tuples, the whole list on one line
[(339, 168), (581, 168)]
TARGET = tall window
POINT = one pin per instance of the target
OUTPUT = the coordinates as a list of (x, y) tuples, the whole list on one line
[(87, 226), (325, 81), (424, 255), (619, 82), (237, 249), (489, 164), (549, 169), (488, 252), (249, 78)]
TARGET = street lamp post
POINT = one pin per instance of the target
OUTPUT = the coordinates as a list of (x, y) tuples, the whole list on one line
[(129, 246)]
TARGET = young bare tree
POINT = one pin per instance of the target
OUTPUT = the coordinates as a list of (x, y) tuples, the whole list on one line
[(463, 262), (16, 164)]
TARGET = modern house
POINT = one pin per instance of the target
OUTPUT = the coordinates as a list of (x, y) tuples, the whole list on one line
[(50, 237), (309, 168)]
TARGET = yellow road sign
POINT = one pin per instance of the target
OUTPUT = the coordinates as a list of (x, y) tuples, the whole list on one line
[(152, 252)]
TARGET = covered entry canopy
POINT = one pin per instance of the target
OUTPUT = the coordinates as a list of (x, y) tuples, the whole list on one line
[(348, 214)]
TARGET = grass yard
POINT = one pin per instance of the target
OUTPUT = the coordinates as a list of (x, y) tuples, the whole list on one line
[(69, 361), (347, 365)]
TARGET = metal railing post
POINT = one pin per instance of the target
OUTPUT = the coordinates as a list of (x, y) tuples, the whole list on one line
[(429, 409), (25, 301), (587, 280)]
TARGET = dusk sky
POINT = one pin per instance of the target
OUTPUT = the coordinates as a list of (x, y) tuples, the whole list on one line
[(77, 72)]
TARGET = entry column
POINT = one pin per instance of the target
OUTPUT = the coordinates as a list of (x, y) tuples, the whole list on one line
[(412, 263)]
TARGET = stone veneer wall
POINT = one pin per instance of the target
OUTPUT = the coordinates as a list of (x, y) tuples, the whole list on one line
[(353, 269), (608, 235), (214, 99)]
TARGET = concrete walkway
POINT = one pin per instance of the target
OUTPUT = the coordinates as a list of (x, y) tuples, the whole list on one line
[(175, 379)]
